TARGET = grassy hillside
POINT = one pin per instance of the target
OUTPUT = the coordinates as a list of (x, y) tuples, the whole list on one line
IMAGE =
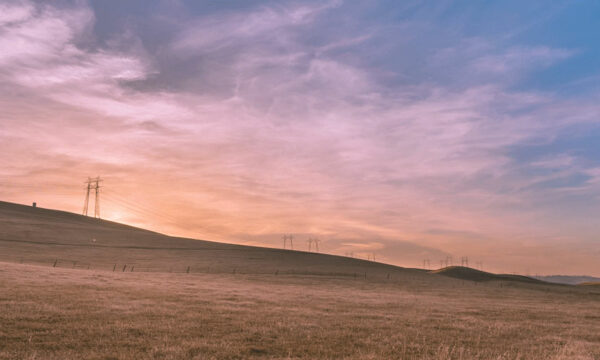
[(45, 237), (61, 239), (465, 273)]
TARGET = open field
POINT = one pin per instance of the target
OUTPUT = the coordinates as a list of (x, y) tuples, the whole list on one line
[(64, 301), (51, 313)]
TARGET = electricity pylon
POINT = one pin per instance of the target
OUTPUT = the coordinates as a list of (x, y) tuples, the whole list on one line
[(448, 260), (464, 261), (92, 184), (290, 238), (316, 241)]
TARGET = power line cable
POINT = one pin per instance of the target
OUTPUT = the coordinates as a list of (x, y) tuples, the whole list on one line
[(139, 209)]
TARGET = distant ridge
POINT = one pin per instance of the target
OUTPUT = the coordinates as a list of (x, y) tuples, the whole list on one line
[(465, 273), (569, 279), (63, 239)]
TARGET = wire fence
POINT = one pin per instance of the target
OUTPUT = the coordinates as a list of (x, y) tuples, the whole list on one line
[(416, 281), (183, 269)]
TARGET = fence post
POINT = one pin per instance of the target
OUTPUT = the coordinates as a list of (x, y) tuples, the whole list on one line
[(124, 267), (55, 261), (188, 270), (132, 268), (114, 267)]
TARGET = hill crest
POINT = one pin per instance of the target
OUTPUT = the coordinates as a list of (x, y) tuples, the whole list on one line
[(466, 273)]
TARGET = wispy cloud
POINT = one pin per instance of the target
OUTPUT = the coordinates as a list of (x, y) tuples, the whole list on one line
[(518, 59), (249, 127), (212, 33)]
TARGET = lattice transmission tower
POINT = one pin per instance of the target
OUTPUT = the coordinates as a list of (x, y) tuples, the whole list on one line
[(92, 184)]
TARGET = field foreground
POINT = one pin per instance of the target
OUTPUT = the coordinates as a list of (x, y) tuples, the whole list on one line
[(57, 313)]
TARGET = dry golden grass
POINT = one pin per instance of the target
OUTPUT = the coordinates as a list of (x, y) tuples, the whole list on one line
[(52, 313)]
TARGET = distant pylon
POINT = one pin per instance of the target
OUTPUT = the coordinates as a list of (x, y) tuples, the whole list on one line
[(448, 260), (309, 241), (464, 261), (95, 185), (286, 238), (87, 197), (316, 241)]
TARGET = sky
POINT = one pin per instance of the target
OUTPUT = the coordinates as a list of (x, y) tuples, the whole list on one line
[(403, 130)]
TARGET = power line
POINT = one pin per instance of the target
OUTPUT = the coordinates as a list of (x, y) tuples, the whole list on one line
[(137, 208)]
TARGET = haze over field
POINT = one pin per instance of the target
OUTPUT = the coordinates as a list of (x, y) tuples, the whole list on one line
[(408, 130)]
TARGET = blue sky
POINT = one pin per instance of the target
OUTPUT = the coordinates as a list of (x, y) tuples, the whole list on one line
[(409, 130)]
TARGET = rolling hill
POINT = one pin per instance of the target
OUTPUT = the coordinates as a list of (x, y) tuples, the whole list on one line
[(465, 273), (62, 239), (56, 238)]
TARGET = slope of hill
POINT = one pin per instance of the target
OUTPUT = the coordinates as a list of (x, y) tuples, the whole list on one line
[(465, 273), (63, 239)]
